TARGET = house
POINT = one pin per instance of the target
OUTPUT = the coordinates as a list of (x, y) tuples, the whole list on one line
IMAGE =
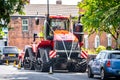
[(23, 26)]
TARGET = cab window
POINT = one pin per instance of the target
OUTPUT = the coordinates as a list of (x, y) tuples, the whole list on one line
[(59, 24)]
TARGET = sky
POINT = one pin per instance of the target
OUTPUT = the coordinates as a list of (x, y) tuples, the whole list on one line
[(66, 2)]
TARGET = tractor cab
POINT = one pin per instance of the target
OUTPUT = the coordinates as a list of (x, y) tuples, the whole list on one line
[(56, 23), (59, 23)]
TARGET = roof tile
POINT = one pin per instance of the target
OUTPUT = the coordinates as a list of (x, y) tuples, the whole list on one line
[(54, 9)]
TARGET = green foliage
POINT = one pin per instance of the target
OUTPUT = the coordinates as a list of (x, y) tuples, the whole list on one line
[(100, 48), (9, 7), (101, 15), (1, 34), (109, 48)]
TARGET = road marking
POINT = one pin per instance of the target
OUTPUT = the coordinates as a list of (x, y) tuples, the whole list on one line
[(52, 77), (19, 78)]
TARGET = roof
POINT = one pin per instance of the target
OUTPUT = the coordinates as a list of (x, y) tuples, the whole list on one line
[(54, 9)]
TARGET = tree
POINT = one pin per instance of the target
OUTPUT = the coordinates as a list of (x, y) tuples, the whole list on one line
[(8, 8), (102, 15)]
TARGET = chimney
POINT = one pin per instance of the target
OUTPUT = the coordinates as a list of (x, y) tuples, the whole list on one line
[(59, 2)]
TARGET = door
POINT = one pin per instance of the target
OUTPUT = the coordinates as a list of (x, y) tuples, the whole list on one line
[(95, 64), (98, 63)]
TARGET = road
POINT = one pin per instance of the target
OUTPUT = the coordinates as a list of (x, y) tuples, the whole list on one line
[(12, 73)]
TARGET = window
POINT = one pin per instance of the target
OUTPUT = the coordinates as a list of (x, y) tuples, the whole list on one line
[(24, 24), (109, 39), (115, 56), (59, 23), (101, 55), (86, 41), (98, 56), (97, 41)]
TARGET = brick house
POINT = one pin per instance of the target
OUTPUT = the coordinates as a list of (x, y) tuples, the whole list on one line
[(24, 25), (94, 40)]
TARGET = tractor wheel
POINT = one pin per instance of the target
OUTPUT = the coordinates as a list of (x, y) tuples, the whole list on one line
[(81, 66), (71, 67), (42, 62), (28, 62), (45, 58), (38, 65)]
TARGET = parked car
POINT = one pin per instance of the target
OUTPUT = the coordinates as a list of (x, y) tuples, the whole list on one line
[(106, 64), (9, 53)]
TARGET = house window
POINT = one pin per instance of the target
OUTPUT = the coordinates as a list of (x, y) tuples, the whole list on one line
[(24, 24), (86, 41), (109, 39), (97, 41)]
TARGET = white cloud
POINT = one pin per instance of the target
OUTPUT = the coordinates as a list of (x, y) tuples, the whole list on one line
[(68, 2)]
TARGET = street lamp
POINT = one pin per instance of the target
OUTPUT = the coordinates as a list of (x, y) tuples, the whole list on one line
[(48, 8), (47, 20), (37, 19)]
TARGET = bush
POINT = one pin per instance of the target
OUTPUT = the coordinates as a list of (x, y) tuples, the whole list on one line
[(100, 48), (109, 48)]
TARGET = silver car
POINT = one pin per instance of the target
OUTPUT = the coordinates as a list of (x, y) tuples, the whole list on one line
[(8, 53)]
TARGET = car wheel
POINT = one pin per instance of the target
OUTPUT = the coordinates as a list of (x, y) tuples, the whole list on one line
[(117, 78), (103, 76), (90, 75)]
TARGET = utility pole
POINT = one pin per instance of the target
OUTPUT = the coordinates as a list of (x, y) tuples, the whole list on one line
[(48, 21)]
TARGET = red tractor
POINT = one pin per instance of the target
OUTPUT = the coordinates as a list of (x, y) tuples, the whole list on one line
[(60, 48)]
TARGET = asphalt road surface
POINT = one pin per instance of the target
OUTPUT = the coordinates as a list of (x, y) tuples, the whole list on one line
[(12, 73)]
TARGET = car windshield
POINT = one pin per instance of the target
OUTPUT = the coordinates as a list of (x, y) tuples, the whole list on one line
[(10, 50), (115, 56)]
